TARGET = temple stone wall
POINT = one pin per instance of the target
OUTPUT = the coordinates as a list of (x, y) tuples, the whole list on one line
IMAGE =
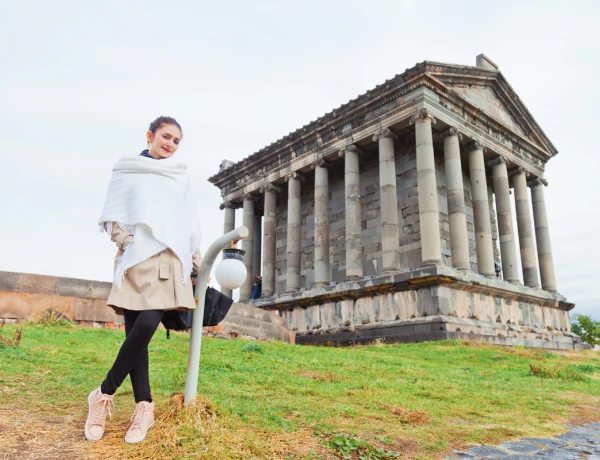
[(307, 233), (371, 214), (440, 177), (408, 217), (494, 222), (337, 223), (281, 242)]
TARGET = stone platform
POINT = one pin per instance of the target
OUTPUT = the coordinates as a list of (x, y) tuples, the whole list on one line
[(580, 442), (434, 303)]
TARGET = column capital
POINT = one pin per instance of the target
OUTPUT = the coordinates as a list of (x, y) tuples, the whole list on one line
[(321, 163), (270, 188), (384, 133), (249, 196), (228, 205), (533, 181), (422, 115), (350, 148), (477, 145), (498, 160), (518, 170), (294, 175), (452, 131)]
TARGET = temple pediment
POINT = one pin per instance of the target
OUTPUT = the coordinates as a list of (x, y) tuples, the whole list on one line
[(485, 99), (488, 90)]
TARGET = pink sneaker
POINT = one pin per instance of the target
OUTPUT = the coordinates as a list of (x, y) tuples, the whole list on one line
[(99, 404), (143, 419)]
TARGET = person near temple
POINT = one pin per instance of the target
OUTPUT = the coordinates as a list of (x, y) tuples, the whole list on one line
[(151, 215), (257, 287)]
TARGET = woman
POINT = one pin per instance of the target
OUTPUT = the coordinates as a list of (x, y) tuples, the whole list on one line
[(151, 215)]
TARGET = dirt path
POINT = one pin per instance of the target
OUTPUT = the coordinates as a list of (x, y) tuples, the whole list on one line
[(30, 434)]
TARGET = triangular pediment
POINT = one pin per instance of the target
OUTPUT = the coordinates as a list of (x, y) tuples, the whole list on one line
[(490, 92), (485, 99)]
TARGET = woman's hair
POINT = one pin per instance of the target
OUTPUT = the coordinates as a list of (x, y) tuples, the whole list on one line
[(162, 120)]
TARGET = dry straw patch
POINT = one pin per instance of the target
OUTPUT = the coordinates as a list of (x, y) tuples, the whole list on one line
[(327, 376), (408, 416), (197, 431), (13, 341)]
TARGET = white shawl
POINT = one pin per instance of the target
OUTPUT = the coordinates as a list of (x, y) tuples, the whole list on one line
[(154, 200)]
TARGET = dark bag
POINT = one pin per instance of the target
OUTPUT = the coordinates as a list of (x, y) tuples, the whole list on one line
[(216, 306)]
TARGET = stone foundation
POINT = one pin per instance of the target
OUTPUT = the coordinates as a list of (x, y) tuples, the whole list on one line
[(436, 303)]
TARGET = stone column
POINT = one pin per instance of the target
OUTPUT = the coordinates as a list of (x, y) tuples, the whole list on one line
[(354, 269), (256, 260), (228, 226), (322, 268), (459, 239), (525, 228), (293, 233), (248, 246), (481, 211), (390, 236), (542, 235), (270, 240), (506, 234), (429, 217)]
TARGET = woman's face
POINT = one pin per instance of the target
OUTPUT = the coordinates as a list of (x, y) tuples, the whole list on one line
[(164, 142)]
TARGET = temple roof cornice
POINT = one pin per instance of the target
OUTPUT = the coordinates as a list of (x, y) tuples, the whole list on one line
[(375, 105)]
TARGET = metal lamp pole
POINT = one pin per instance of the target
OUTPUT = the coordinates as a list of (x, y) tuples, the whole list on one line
[(191, 382)]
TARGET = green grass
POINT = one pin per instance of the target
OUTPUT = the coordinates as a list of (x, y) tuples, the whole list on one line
[(272, 400)]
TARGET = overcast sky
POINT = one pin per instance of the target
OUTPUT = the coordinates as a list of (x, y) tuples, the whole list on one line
[(80, 81)]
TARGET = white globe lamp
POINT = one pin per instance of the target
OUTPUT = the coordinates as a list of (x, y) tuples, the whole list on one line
[(231, 271)]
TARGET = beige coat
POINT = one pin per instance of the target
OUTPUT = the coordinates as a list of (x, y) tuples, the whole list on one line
[(155, 283)]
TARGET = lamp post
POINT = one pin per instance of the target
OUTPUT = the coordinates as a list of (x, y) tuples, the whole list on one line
[(225, 241)]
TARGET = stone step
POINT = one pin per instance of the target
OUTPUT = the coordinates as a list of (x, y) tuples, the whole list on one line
[(252, 322), (248, 311)]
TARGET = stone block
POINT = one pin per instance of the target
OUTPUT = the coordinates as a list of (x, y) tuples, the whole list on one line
[(520, 447), (37, 284), (82, 288), (373, 223), (9, 281), (486, 452), (558, 454), (26, 307), (95, 310), (366, 216), (409, 210)]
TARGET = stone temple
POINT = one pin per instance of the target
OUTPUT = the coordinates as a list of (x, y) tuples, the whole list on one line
[(391, 217)]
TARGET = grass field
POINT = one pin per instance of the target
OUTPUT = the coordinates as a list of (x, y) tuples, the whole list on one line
[(272, 400)]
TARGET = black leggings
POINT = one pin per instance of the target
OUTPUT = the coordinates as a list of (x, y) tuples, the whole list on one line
[(132, 359)]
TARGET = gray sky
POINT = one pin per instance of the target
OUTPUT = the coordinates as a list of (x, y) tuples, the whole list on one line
[(80, 81)]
